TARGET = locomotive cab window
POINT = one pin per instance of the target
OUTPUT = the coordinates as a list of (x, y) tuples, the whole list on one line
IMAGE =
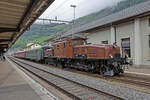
[(64, 45), (57, 47), (149, 45), (70, 44), (125, 44), (83, 42)]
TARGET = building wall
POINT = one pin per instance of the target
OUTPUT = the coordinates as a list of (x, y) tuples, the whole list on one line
[(145, 32), (126, 30), (99, 36)]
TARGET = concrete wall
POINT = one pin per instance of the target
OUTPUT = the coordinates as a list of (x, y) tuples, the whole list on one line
[(99, 36), (126, 30), (145, 32)]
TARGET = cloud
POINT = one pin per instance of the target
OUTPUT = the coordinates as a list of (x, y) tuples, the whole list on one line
[(62, 9)]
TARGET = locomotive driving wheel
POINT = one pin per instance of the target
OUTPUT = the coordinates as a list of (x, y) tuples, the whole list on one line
[(92, 68), (103, 69)]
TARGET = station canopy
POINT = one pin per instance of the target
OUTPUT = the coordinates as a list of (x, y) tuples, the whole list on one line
[(16, 16)]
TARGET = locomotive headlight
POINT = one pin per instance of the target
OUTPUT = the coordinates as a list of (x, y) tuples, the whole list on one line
[(110, 55)]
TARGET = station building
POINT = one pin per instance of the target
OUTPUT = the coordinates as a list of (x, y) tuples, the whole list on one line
[(129, 28)]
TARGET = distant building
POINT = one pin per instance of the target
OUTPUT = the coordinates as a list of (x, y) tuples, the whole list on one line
[(31, 46)]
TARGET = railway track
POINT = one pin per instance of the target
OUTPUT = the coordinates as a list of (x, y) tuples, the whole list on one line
[(71, 88), (132, 79), (144, 82)]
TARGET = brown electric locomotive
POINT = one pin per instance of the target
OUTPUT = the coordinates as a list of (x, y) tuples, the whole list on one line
[(76, 53)]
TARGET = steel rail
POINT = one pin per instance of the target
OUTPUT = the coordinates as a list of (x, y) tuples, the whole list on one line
[(135, 81), (73, 82), (50, 83), (127, 79)]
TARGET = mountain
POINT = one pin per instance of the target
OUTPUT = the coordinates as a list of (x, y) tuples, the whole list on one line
[(41, 32), (107, 11), (38, 33)]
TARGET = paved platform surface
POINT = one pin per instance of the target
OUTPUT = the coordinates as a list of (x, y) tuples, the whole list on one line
[(13, 86), (139, 70)]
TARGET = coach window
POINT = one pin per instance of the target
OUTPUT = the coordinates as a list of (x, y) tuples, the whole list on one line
[(125, 44)]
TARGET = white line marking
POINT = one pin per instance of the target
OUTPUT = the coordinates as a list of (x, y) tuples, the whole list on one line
[(137, 73)]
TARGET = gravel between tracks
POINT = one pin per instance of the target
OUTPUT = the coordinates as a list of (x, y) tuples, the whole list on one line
[(126, 93)]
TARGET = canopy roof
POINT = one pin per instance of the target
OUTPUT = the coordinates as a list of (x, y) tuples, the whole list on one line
[(16, 16)]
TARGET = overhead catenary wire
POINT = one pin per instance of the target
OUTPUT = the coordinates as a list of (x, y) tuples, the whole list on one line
[(56, 20), (58, 7), (62, 6), (63, 12)]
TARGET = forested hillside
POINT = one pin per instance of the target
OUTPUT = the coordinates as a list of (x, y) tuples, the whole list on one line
[(39, 32)]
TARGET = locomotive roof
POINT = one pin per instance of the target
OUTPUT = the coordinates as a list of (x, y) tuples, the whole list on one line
[(35, 49), (19, 52), (55, 39), (68, 38), (42, 47), (95, 45)]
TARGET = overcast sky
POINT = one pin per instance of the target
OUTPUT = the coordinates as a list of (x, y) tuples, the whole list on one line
[(63, 11)]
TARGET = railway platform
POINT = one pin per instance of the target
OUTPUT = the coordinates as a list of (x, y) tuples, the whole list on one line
[(14, 85), (142, 70)]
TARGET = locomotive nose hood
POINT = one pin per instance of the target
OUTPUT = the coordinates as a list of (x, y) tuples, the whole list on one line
[(96, 51), (97, 45)]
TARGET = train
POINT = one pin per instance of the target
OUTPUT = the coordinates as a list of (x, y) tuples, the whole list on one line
[(76, 53)]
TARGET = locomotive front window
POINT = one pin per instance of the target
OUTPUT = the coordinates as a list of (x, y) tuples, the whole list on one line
[(70, 44), (83, 42)]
